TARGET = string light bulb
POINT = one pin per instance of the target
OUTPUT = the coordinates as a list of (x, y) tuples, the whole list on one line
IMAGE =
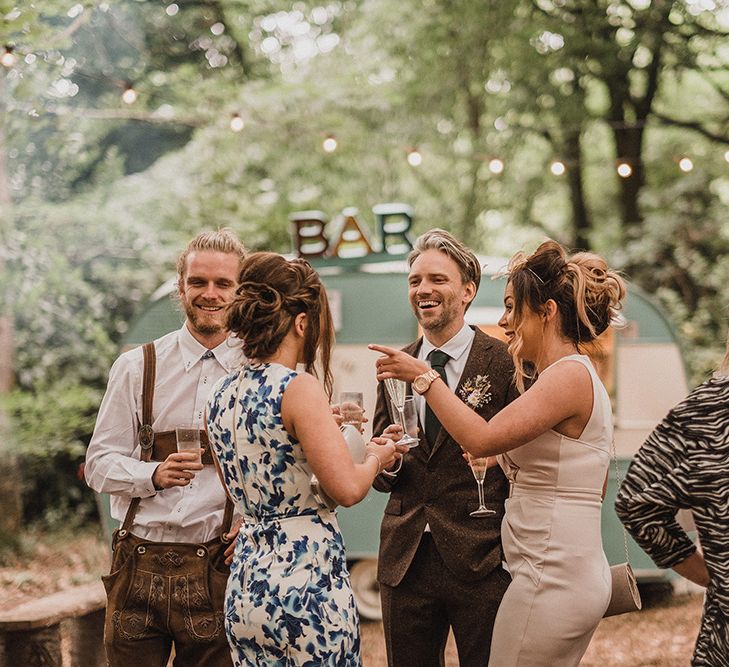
[(686, 164), (726, 156), (8, 58), (236, 123), (415, 159), (558, 168), (329, 144), (496, 166), (129, 96), (624, 170)]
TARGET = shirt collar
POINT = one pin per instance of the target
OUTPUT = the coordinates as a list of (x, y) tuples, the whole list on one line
[(454, 348), (228, 354)]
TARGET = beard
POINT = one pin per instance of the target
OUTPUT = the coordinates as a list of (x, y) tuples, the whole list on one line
[(205, 323), (449, 313)]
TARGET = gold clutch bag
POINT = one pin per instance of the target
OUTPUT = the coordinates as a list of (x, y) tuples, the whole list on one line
[(625, 595)]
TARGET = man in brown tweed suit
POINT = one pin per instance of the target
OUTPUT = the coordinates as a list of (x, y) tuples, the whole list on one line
[(439, 567)]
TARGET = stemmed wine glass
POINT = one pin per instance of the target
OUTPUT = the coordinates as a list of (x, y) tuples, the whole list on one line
[(396, 391), (479, 466)]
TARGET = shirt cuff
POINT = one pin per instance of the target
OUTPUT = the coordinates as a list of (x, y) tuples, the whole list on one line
[(142, 485)]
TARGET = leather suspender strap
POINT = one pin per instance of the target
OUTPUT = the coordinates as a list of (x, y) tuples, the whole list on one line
[(145, 433), (227, 519)]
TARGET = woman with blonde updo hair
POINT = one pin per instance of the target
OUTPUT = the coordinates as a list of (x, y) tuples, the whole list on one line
[(553, 443), (289, 600)]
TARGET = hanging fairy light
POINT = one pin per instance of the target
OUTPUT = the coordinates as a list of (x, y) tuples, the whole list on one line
[(558, 168), (415, 159), (8, 58), (686, 164), (726, 156), (624, 170), (129, 96), (496, 166), (329, 144), (236, 123)]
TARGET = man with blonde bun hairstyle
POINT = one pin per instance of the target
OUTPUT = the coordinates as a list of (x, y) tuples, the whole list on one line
[(440, 568), (168, 574)]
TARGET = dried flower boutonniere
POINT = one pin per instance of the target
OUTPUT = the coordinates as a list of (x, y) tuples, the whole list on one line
[(475, 392)]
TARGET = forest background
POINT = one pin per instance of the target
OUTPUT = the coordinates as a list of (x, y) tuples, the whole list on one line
[(127, 126)]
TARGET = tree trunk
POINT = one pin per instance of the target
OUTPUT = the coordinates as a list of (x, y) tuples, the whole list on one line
[(629, 149), (581, 222), (466, 233)]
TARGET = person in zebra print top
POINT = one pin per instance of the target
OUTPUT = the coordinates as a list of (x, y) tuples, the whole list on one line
[(684, 464)]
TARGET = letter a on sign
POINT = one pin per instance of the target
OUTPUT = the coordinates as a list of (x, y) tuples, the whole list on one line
[(352, 240)]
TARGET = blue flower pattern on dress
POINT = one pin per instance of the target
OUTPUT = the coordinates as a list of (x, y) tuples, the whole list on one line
[(289, 601)]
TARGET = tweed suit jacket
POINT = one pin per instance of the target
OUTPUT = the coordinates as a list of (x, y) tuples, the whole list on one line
[(439, 489)]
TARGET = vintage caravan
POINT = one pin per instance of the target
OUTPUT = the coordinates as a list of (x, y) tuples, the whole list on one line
[(640, 363)]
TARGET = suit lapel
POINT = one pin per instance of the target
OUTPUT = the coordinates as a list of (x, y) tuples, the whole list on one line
[(477, 363)]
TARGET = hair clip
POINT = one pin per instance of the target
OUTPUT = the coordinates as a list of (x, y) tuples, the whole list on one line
[(534, 274)]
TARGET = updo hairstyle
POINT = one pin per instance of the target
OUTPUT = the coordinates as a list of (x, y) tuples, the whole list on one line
[(587, 293), (272, 292)]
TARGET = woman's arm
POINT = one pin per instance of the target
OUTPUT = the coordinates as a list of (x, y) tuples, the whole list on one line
[(307, 416), (657, 485), (694, 569), (561, 393)]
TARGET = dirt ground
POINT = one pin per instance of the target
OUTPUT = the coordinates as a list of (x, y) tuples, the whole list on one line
[(661, 635)]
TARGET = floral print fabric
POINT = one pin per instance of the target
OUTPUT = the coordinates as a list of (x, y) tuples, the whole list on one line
[(289, 601)]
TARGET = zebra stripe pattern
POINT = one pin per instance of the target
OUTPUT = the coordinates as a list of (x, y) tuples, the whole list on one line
[(684, 464)]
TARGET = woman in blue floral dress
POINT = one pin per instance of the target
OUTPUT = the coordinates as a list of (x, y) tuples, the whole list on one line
[(289, 600)]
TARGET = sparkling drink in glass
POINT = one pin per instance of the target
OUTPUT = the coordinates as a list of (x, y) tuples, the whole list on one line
[(479, 466), (188, 439), (409, 423)]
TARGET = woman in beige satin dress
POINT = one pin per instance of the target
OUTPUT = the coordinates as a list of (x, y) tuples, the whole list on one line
[(553, 443)]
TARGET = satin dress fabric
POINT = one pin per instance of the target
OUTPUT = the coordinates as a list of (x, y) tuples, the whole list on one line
[(552, 542)]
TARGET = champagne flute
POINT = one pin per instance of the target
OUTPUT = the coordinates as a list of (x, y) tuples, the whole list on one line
[(396, 390), (410, 423), (479, 466)]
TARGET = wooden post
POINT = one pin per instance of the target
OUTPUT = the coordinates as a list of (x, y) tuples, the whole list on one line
[(84, 635), (34, 648)]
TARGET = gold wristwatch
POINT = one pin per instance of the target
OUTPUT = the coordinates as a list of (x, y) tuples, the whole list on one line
[(422, 383)]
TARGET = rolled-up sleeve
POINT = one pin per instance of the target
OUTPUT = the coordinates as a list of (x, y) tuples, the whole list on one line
[(112, 459), (656, 487)]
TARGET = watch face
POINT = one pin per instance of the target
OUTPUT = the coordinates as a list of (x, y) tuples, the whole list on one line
[(420, 384)]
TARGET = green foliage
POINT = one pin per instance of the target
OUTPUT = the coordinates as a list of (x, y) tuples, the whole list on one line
[(683, 257), (52, 426), (73, 276), (54, 419)]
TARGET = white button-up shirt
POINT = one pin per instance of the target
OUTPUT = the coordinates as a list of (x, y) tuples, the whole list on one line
[(192, 513)]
